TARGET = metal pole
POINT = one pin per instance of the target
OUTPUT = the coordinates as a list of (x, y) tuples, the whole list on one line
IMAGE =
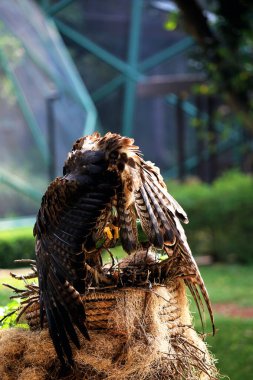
[(133, 53)]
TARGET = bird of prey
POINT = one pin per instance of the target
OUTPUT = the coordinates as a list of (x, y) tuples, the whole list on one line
[(105, 181)]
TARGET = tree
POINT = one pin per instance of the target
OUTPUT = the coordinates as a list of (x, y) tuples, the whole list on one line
[(225, 48)]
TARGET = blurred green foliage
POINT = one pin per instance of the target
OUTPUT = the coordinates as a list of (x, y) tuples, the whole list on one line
[(15, 245), (224, 34), (11, 320), (172, 21), (220, 214)]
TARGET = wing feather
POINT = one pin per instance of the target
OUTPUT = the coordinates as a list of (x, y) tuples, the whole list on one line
[(160, 216), (69, 211), (127, 223), (150, 223)]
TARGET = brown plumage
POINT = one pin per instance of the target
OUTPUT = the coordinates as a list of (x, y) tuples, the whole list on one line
[(104, 180)]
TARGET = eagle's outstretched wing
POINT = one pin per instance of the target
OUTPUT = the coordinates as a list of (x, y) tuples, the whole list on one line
[(68, 214), (161, 216)]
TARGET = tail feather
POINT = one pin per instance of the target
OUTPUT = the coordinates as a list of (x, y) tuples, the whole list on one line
[(198, 302), (195, 283), (207, 302)]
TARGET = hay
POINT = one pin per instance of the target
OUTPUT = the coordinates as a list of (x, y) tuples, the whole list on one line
[(136, 333)]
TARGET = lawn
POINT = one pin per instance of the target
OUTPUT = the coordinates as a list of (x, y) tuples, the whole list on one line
[(233, 347), (233, 343), (230, 283)]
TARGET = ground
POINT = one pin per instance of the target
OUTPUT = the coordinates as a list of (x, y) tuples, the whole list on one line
[(233, 310)]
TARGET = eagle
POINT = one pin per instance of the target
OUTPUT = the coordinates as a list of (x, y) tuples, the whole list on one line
[(105, 182)]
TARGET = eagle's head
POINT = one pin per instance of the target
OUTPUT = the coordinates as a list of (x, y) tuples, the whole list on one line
[(113, 149)]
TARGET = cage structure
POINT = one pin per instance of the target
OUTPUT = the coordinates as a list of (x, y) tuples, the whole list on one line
[(139, 68)]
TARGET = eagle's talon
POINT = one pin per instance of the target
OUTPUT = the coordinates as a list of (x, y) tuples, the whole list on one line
[(108, 233), (111, 232)]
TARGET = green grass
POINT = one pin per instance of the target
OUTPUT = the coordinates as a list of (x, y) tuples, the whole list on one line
[(233, 343), (232, 346), (229, 283)]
